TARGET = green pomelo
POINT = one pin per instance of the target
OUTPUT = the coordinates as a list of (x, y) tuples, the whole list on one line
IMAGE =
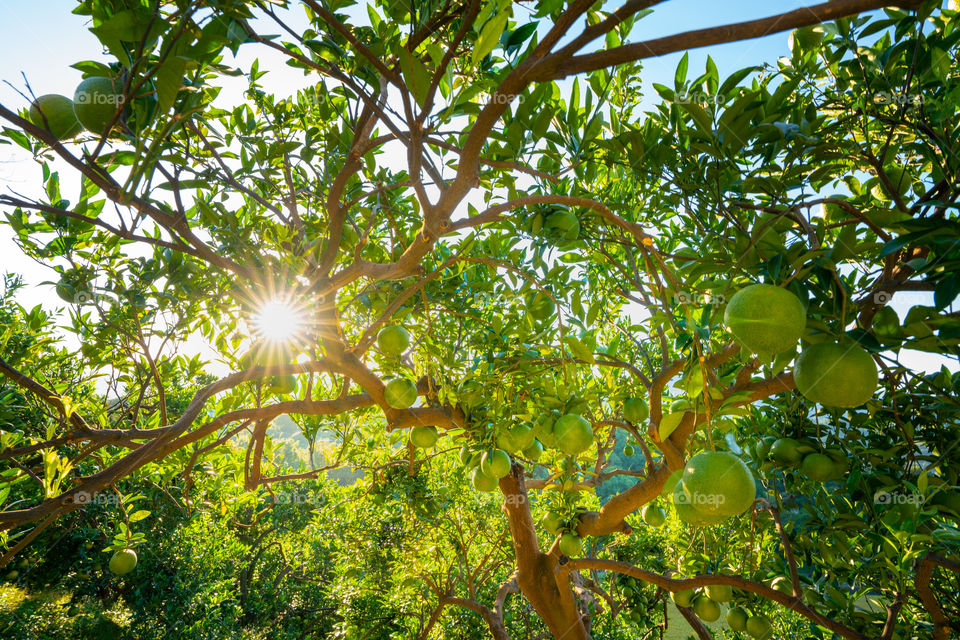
[(123, 561), (706, 609), (424, 436), (573, 434), (683, 598), (786, 451), (54, 113), (720, 592), (635, 410), (759, 627), (95, 102), (737, 619), (483, 482), (552, 522), (836, 375), (495, 463), (628, 451), (766, 319), (401, 393), (818, 467), (393, 340), (534, 451), (718, 483), (571, 545), (654, 516)]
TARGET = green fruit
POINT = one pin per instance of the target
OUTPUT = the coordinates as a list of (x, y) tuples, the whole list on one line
[(720, 592), (54, 113), (573, 434), (786, 451), (759, 627), (534, 451), (282, 385), (539, 305), (571, 545), (66, 293), (836, 375), (681, 405), (818, 467), (483, 482), (562, 226), (766, 319), (515, 438), (393, 340), (123, 561), (552, 522), (683, 598), (706, 609), (495, 463), (688, 513), (424, 436), (737, 619), (628, 451), (635, 410), (95, 102), (401, 393), (466, 455), (654, 516), (718, 483)]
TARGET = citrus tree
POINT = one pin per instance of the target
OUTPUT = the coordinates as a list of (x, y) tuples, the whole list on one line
[(464, 251)]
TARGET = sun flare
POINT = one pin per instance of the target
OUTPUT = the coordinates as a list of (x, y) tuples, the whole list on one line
[(278, 321)]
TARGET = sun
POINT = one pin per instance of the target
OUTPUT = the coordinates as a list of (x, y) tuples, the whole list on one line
[(278, 321)]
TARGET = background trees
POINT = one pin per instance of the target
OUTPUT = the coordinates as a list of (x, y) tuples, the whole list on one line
[(482, 175)]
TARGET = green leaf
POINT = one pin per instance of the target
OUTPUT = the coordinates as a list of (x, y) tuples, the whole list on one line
[(137, 516), (490, 36), (416, 75), (169, 80)]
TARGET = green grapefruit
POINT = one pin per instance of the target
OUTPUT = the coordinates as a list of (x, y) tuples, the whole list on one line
[(654, 516), (483, 482), (424, 436), (571, 545), (765, 319), (95, 102), (123, 561), (759, 627), (562, 226), (552, 522), (573, 434), (393, 340), (495, 463), (690, 514), (706, 609), (737, 619), (54, 113), (786, 451), (401, 393), (836, 375), (635, 410), (720, 592), (818, 467), (534, 451), (684, 597), (718, 483)]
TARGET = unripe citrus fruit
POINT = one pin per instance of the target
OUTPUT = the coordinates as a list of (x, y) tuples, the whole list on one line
[(720, 592), (401, 393), (628, 451), (706, 609), (534, 451), (424, 436), (759, 627), (539, 305), (836, 375), (765, 319), (95, 102), (690, 514), (718, 483), (483, 482), (635, 410), (515, 438), (562, 226), (818, 467), (737, 619), (683, 598), (282, 385), (393, 340), (54, 113), (123, 561), (654, 516), (571, 545), (786, 451), (552, 522), (573, 434), (495, 463)]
